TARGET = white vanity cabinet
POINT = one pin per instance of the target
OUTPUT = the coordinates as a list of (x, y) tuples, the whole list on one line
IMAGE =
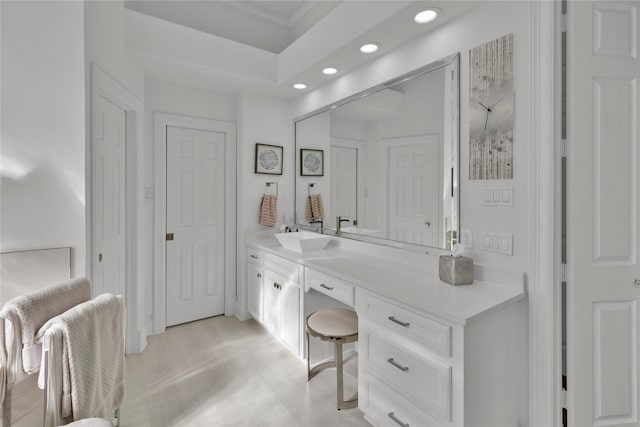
[(414, 369), (429, 354), (273, 296), (255, 288)]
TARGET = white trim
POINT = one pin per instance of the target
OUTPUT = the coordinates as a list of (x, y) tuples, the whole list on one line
[(105, 86), (544, 281), (161, 121)]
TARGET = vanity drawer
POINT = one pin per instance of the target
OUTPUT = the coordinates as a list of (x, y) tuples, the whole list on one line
[(285, 268), (386, 408), (335, 288), (427, 332), (419, 378), (254, 256)]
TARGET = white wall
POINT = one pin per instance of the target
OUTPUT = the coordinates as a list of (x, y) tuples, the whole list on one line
[(264, 120), (43, 127), (482, 24), (105, 44), (179, 100)]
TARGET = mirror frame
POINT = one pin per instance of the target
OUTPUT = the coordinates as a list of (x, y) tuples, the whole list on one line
[(455, 150)]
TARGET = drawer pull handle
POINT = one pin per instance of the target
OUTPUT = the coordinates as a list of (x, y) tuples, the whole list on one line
[(254, 257), (329, 288), (397, 365), (394, 320), (397, 420)]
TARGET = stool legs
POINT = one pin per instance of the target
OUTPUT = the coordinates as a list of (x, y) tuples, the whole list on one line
[(337, 362), (339, 375), (312, 371)]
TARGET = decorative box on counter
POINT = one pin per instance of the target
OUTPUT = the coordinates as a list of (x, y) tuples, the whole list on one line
[(456, 269)]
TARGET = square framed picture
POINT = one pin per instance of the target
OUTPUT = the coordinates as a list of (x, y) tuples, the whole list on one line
[(311, 162), (269, 159)]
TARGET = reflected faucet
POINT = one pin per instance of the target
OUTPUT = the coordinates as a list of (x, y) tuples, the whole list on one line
[(339, 221), (318, 221)]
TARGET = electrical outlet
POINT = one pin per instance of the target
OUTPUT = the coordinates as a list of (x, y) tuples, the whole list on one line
[(466, 238)]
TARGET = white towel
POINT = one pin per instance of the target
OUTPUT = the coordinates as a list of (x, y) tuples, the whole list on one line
[(91, 356), (24, 315)]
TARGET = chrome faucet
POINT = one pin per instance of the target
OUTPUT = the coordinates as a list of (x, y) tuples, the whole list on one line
[(339, 221)]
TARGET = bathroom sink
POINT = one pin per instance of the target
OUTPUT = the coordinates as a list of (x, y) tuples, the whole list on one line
[(302, 241)]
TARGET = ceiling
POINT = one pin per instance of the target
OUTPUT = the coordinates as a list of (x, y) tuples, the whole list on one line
[(264, 24), (265, 46)]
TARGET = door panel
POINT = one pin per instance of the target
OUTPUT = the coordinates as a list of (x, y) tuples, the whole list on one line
[(109, 197), (195, 215), (413, 183), (602, 213)]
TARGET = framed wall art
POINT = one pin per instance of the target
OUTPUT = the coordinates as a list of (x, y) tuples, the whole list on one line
[(268, 159), (311, 162), (491, 102)]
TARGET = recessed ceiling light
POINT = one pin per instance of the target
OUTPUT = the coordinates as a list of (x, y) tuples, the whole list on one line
[(300, 86), (329, 71), (369, 47), (426, 16)]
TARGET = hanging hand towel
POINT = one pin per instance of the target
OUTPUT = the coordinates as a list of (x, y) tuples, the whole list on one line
[(315, 208), (269, 210)]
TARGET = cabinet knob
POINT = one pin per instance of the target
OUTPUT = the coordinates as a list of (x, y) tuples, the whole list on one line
[(636, 282), (259, 276)]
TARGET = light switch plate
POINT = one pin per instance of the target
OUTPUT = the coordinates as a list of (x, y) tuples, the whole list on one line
[(497, 195), (501, 243)]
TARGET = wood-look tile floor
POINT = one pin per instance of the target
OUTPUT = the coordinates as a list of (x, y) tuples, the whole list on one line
[(224, 372)]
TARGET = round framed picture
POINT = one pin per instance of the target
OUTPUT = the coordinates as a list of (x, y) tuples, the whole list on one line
[(268, 159), (311, 162)]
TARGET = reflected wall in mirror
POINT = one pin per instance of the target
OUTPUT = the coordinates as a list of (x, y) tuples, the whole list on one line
[(391, 160)]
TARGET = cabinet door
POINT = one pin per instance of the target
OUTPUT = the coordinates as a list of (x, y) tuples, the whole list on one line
[(254, 291), (271, 305), (290, 316)]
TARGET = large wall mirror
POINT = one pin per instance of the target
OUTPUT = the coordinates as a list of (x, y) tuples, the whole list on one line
[(386, 160)]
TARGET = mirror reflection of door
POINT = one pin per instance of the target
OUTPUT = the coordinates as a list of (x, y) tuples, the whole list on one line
[(413, 190), (344, 182)]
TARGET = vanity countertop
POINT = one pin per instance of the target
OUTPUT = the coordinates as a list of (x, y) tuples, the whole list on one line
[(417, 286)]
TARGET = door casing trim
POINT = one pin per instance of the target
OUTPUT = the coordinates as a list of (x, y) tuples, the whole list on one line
[(161, 121), (104, 85)]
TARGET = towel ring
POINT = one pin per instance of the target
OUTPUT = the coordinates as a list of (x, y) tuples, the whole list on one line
[(268, 184)]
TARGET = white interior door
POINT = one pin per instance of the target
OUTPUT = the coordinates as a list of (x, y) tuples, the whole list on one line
[(413, 192), (344, 183), (603, 213), (195, 258), (109, 260)]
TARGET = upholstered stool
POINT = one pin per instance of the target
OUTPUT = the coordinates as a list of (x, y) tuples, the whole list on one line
[(337, 325)]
